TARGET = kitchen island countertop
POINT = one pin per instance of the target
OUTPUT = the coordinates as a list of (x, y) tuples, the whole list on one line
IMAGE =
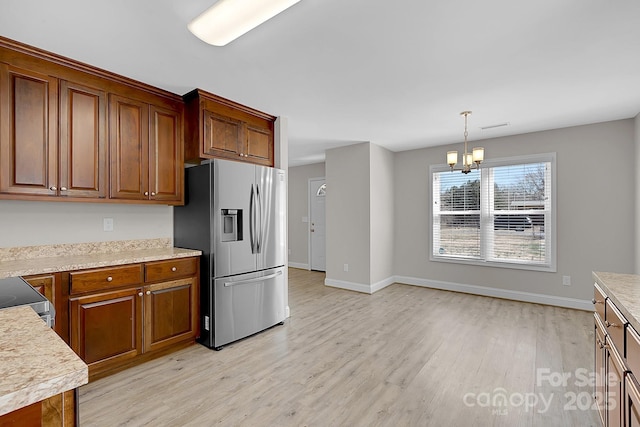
[(36, 362), (624, 291)]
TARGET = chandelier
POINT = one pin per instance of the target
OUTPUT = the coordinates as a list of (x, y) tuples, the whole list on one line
[(468, 159)]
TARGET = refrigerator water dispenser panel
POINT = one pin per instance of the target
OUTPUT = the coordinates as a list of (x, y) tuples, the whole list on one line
[(231, 225)]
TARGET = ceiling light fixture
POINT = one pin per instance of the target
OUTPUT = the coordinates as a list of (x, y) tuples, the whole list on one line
[(477, 156), (227, 20)]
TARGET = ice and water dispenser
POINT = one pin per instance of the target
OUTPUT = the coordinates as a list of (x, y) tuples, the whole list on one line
[(231, 225)]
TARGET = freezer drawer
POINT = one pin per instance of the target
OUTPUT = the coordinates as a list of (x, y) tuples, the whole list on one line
[(247, 304)]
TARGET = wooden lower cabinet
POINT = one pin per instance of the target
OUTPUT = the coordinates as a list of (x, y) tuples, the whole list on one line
[(114, 329), (60, 410), (169, 310), (632, 401), (615, 386), (107, 328), (57, 411)]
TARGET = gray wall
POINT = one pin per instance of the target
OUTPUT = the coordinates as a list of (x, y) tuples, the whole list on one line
[(298, 208), (595, 211), (27, 223), (347, 213), (382, 210), (637, 192)]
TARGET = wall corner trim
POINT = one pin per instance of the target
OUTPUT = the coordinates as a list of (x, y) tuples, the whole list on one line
[(498, 293), (299, 265), (360, 287)]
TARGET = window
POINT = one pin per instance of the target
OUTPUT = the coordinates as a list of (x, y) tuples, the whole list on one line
[(500, 215)]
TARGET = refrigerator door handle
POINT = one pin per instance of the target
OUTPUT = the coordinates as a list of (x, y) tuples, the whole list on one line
[(257, 279), (259, 222), (252, 215)]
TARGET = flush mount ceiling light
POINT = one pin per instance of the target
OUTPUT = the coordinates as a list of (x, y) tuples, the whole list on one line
[(227, 20), (468, 159)]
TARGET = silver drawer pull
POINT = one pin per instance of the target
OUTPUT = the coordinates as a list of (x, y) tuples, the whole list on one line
[(139, 294), (148, 292), (109, 279), (257, 279), (174, 269), (63, 188), (611, 325), (53, 188), (595, 301)]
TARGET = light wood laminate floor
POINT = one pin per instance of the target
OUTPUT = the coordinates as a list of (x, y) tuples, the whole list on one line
[(404, 356)]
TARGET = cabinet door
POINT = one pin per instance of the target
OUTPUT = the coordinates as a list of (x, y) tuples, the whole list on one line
[(106, 329), (129, 148), (83, 133), (165, 155), (632, 404), (259, 145), (615, 381), (222, 136), (600, 368), (28, 132), (170, 313)]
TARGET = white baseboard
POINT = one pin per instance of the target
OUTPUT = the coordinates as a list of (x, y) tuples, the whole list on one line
[(468, 289), (498, 293), (299, 265), (359, 287)]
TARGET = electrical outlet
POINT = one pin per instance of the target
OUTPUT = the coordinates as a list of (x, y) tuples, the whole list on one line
[(107, 224), (566, 280), (346, 267)]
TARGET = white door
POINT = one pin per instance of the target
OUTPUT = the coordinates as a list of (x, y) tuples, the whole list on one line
[(317, 246)]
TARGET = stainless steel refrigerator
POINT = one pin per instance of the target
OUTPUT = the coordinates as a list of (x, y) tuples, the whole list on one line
[(235, 214)]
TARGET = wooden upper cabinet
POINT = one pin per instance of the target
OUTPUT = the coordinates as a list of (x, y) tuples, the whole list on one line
[(69, 131), (146, 151), (165, 155), (221, 135), (129, 146), (259, 145), (28, 132), (83, 141), (216, 127)]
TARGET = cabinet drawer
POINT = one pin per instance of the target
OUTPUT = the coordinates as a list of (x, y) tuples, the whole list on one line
[(633, 350), (598, 301), (105, 278), (171, 269), (615, 323)]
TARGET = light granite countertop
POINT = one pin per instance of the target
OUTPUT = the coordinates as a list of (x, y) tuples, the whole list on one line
[(36, 362), (25, 261), (624, 291)]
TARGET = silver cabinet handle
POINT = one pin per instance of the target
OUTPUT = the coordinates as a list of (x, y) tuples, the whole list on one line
[(63, 188), (153, 193), (257, 279), (174, 269), (53, 188), (146, 193), (139, 294), (148, 292), (109, 279)]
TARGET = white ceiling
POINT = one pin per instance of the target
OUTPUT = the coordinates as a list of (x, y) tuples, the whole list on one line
[(395, 73)]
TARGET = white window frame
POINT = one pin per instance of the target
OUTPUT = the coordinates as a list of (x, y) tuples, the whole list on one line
[(550, 226)]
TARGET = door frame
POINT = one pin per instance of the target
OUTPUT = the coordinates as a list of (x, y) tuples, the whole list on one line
[(309, 196)]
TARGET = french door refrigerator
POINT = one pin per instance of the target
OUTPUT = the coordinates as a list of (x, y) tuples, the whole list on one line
[(235, 214)]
